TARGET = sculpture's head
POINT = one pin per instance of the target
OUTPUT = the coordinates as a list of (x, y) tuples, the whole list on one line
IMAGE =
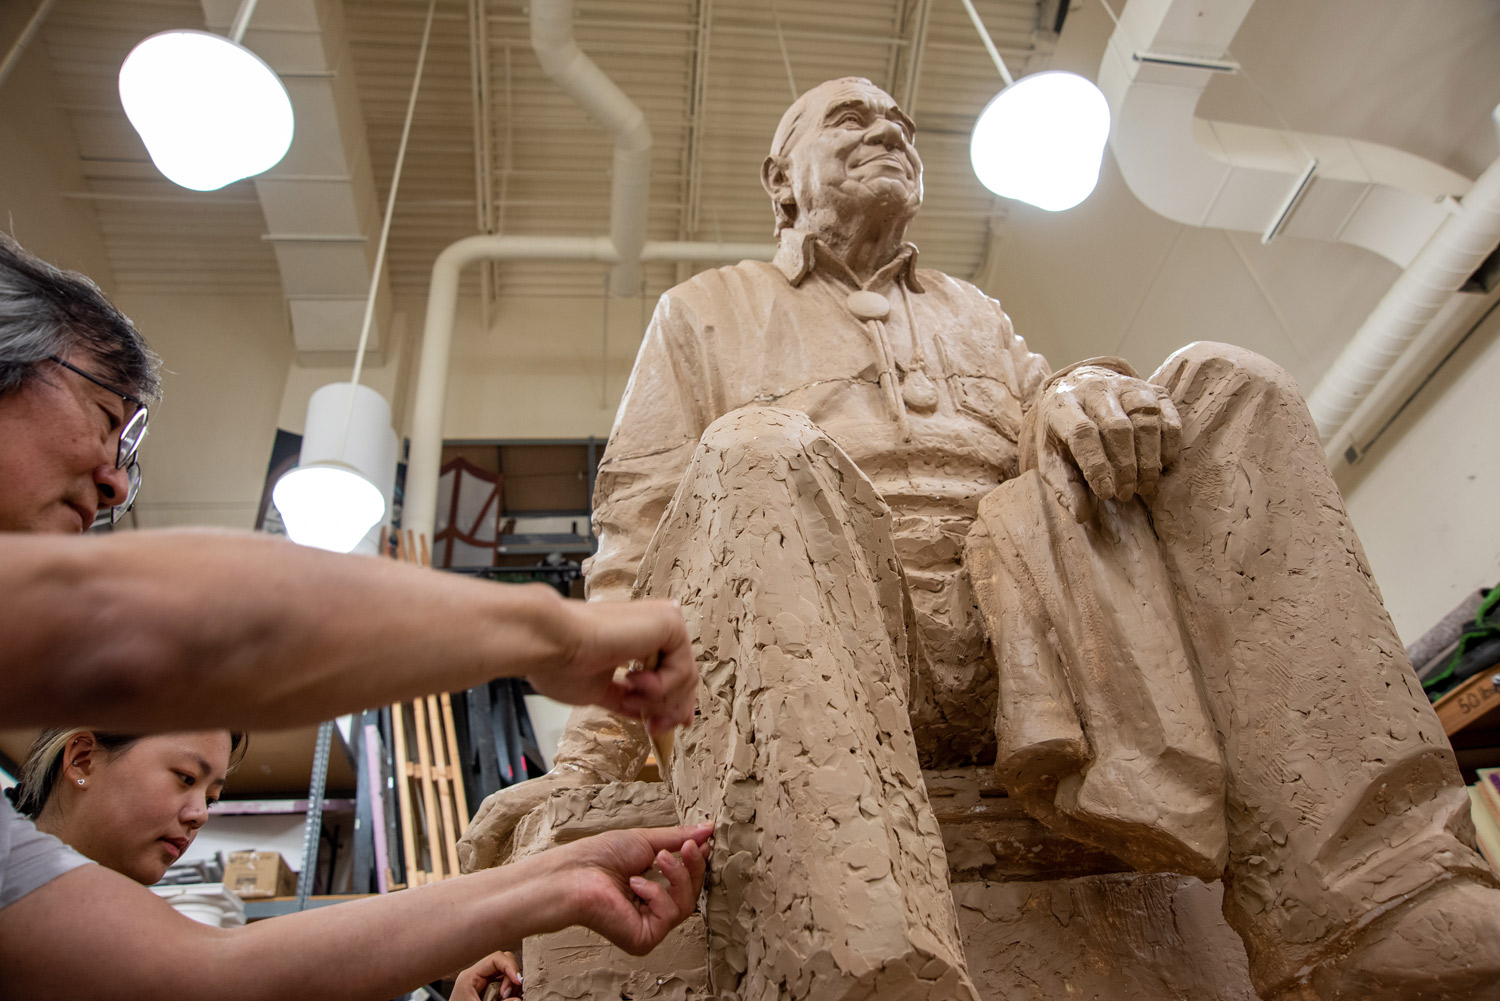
[(843, 152)]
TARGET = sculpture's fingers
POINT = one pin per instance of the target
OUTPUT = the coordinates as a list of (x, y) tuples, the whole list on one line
[(1081, 437), (1171, 429), (1143, 407), (1147, 451), (1116, 430)]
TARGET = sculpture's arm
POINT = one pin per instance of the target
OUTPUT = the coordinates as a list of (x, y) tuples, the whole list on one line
[(1097, 430), (662, 415)]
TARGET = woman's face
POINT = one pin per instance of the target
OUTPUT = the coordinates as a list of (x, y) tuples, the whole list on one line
[(140, 807)]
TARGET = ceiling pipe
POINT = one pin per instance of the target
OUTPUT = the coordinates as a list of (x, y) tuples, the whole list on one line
[(33, 25), (1454, 253), (625, 247), (419, 509), (578, 76)]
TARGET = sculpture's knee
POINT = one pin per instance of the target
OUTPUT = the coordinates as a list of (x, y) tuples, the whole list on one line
[(1228, 362), (756, 434)]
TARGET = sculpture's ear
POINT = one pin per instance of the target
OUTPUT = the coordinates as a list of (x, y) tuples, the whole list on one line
[(773, 176), (777, 181)]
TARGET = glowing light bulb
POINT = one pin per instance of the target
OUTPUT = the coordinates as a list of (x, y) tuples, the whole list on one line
[(210, 111), (1041, 140), (328, 506)]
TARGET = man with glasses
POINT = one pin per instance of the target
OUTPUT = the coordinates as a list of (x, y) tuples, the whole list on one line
[(132, 427), (75, 378), (194, 630)]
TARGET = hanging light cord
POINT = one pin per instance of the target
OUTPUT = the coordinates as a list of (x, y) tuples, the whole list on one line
[(242, 20), (385, 226), (989, 45)]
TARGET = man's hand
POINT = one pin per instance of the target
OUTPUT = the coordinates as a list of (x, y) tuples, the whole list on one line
[(611, 634), (1114, 433), (498, 968), (603, 877)]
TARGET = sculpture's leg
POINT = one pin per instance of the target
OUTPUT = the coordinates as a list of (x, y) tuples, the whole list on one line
[(1350, 871), (1086, 630), (828, 878)]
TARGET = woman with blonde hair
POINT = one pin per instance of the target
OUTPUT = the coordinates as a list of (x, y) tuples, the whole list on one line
[(130, 802)]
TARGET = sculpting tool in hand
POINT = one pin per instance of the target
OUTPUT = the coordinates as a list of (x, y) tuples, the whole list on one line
[(663, 742)]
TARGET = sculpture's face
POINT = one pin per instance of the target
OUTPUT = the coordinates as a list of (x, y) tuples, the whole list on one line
[(851, 152)]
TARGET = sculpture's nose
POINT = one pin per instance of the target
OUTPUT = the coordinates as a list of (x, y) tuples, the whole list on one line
[(887, 133)]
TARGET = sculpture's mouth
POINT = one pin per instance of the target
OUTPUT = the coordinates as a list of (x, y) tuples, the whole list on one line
[(893, 160)]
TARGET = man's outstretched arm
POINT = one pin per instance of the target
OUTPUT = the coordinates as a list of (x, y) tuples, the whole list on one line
[(198, 628)]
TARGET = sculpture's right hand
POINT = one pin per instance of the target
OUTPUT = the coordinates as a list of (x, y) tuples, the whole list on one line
[(490, 838)]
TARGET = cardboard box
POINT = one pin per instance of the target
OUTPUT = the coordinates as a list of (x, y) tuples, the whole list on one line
[(257, 875)]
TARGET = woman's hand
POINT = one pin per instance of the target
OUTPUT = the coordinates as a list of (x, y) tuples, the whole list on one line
[(498, 968), (612, 897)]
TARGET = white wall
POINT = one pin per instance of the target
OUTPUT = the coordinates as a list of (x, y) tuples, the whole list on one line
[(1426, 498), (226, 359), (539, 370)]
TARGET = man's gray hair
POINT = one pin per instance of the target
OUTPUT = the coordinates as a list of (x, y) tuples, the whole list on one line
[(47, 311)]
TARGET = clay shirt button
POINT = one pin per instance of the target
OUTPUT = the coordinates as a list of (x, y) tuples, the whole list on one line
[(868, 305)]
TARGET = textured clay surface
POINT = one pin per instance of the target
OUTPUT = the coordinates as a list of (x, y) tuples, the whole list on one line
[(1122, 937), (1129, 937)]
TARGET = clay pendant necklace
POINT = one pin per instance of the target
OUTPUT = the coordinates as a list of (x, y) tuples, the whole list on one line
[(917, 390)]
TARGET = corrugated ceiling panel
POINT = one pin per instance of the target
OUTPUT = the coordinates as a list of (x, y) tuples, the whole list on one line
[(550, 163)]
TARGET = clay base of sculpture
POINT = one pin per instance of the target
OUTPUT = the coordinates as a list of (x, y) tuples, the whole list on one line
[(1111, 936)]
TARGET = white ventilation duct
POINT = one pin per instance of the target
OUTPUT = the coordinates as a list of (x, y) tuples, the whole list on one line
[(1458, 248), (1160, 58), (320, 203), (1230, 176), (625, 247), (630, 190), (419, 506)]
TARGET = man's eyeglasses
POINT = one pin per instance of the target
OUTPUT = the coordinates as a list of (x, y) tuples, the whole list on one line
[(131, 436)]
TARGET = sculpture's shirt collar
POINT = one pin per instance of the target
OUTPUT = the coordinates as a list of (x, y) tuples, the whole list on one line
[(800, 254)]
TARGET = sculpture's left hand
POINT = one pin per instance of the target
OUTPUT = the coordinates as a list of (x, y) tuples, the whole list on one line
[(1116, 430)]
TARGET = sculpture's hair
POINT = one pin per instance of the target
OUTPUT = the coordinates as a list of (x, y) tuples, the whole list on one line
[(46, 311), (43, 764)]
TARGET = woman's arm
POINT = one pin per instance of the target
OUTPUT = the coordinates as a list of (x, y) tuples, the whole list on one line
[(197, 628), (93, 933)]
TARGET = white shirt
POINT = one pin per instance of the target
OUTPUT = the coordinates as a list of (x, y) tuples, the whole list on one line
[(28, 858)]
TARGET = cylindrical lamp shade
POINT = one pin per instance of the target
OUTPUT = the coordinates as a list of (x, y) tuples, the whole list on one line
[(343, 484)]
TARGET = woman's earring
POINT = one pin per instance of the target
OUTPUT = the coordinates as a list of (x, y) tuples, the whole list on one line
[(80, 781)]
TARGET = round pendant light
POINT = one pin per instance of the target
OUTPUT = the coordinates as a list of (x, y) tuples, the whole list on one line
[(210, 111), (1041, 140)]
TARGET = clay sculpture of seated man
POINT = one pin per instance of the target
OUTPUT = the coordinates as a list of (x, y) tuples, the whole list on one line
[(901, 542)]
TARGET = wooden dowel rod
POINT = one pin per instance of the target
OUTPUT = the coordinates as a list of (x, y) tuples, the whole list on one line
[(461, 798), (445, 793), (429, 794), (403, 796)]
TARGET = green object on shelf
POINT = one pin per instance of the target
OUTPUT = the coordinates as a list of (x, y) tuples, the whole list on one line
[(1478, 648)]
